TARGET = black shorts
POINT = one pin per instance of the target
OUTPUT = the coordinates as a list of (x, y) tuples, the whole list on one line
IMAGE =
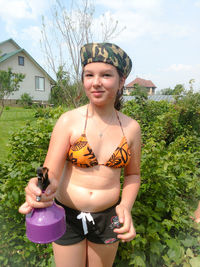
[(97, 227)]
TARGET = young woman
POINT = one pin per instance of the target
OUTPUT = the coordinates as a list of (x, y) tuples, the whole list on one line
[(89, 146)]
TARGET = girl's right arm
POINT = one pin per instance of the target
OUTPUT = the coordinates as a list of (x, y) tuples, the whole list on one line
[(55, 160)]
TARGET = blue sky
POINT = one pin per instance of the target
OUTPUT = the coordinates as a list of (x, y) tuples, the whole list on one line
[(162, 37)]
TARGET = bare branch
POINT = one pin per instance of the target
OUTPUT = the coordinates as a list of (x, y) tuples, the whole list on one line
[(68, 30)]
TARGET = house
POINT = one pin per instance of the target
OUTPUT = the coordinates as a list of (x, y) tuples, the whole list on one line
[(141, 82), (37, 82)]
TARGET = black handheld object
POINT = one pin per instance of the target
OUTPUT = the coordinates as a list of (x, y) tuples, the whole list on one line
[(43, 179)]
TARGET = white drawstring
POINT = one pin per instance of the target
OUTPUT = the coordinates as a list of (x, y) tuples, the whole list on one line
[(84, 216)]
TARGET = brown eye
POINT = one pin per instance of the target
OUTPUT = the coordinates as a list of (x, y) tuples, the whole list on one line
[(88, 75)]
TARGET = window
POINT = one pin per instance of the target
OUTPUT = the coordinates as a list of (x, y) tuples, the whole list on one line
[(21, 60), (39, 83)]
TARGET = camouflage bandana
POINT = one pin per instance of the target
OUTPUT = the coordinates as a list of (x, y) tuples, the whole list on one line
[(106, 53)]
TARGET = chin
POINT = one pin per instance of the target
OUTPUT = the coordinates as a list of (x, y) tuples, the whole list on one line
[(101, 103), (98, 103)]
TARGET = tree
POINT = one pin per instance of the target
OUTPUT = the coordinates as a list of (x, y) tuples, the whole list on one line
[(178, 90), (69, 28), (64, 92), (167, 91), (9, 83), (140, 93)]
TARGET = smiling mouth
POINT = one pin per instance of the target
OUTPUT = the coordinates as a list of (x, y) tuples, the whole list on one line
[(96, 92)]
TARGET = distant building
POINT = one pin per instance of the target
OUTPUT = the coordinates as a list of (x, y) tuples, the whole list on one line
[(37, 82), (168, 98), (142, 82)]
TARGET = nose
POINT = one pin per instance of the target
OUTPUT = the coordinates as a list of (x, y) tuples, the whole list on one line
[(96, 81)]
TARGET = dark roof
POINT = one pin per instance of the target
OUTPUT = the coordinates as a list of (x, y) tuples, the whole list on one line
[(141, 82), (12, 41), (8, 55), (169, 98)]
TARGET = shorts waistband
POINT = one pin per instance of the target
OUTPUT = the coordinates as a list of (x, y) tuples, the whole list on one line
[(98, 212)]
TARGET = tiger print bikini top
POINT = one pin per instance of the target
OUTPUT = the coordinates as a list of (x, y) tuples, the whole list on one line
[(81, 154)]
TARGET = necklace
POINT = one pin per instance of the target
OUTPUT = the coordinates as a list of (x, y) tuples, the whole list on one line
[(101, 132)]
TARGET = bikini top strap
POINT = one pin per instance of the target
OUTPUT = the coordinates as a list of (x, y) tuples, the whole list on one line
[(120, 122), (86, 120)]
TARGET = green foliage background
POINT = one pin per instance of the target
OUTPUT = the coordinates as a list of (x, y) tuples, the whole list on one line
[(166, 236)]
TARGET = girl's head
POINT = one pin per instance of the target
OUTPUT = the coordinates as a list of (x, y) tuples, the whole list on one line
[(110, 54)]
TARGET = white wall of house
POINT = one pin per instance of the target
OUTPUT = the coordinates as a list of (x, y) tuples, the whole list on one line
[(8, 47), (31, 70), (28, 85)]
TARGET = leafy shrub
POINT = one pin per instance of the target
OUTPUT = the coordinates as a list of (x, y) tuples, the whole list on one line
[(166, 236), (26, 100), (49, 112), (28, 149), (189, 109)]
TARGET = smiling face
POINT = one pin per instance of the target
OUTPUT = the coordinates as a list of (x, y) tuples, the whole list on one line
[(101, 82)]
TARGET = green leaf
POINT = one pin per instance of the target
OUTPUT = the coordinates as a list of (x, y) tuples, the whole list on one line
[(189, 253), (172, 243), (160, 204), (137, 261), (169, 224), (156, 247), (185, 264), (195, 262), (189, 242)]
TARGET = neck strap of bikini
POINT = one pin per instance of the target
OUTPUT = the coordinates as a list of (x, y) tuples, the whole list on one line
[(87, 119)]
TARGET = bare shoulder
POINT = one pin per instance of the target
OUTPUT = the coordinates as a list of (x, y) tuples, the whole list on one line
[(129, 124), (72, 116), (131, 130)]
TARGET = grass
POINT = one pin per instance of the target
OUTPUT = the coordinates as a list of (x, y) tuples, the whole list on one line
[(12, 119)]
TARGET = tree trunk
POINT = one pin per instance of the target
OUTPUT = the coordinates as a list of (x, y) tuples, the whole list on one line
[(2, 107)]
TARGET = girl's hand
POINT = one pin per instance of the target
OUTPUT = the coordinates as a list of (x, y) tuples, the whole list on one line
[(126, 232), (33, 191)]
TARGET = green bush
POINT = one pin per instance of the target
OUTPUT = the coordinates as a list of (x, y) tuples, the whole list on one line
[(166, 236), (26, 100), (189, 109), (49, 112), (28, 148)]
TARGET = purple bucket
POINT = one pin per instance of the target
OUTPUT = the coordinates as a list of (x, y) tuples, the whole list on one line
[(46, 225)]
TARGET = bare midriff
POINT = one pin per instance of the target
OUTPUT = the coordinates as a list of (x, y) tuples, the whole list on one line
[(85, 190)]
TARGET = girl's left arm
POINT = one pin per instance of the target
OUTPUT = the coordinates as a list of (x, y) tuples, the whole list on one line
[(130, 189)]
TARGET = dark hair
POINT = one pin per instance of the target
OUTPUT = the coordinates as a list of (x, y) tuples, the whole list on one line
[(118, 99)]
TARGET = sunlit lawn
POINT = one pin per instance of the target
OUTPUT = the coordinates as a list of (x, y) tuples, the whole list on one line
[(11, 120)]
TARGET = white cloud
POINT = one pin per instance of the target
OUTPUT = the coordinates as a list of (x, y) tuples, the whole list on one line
[(14, 9), (32, 33), (178, 67), (178, 74), (197, 3), (127, 4), (22, 9), (15, 12), (144, 18)]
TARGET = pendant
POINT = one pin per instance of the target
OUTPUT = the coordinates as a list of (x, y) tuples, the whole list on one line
[(100, 135)]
